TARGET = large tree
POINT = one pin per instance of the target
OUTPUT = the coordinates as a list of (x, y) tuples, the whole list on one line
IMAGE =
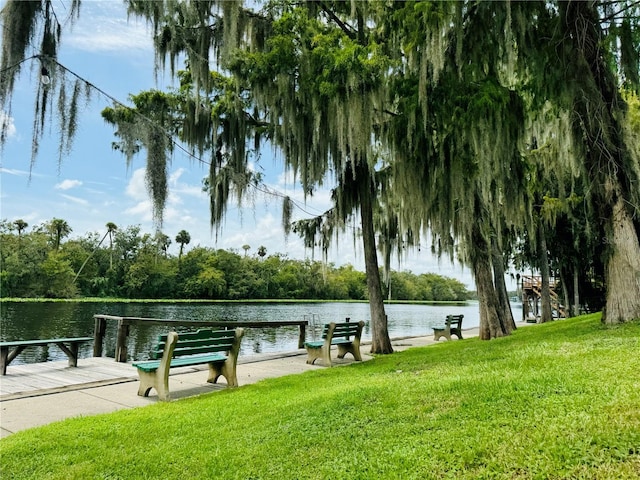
[(310, 77), (449, 91), (479, 78), (601, 134)]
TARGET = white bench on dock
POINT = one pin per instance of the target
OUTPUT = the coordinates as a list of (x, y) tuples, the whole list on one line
[(10, 350)]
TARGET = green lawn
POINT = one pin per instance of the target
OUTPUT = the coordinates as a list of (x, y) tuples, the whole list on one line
[(560, 400)]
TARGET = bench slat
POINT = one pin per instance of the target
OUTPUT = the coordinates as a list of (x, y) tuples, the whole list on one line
[(181, 352), (151, 365), (31, 343), (213, 343), (193, 343), (202, 334), (342, 330)]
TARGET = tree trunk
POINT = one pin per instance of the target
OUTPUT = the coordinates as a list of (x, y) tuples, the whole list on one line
[(598, 110), (504, 306), (565, 295), (623, 270), (490, 325), (545, 291), (380, 341), (576, 291)]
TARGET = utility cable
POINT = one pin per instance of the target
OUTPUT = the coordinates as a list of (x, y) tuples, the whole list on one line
[(265, 189)]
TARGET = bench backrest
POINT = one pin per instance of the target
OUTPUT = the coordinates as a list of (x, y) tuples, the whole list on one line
[(202, 341), (455, 320), (343, 330)]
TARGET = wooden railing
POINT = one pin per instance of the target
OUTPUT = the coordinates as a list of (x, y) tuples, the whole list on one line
[(535, 282), (125, 322)]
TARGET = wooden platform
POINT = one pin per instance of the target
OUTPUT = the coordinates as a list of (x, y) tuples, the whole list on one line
[(44, 378), (51, 377)]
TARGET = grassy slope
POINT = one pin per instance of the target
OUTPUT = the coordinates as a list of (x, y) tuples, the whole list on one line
[(560, 400)]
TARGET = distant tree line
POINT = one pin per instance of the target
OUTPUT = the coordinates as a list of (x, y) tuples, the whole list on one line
[(128, 263)]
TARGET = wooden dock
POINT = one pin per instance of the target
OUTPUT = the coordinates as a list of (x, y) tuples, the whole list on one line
[(44, 378), (53, 377)]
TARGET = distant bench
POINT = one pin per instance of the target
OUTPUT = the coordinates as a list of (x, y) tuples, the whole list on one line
[(10, 350), (452, 326), (338, 334), (217, 348)]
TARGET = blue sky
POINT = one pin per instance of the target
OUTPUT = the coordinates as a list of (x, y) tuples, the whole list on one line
[(93, 185)]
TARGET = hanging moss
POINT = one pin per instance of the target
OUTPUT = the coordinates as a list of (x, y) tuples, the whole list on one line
[(36, 24), (19, 20)]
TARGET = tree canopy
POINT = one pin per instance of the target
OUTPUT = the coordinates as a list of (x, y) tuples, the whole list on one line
[(134, 264), (477, 123)]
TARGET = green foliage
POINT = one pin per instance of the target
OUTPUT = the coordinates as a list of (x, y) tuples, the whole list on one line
[(58, 276), (136, 265), (550, 401)]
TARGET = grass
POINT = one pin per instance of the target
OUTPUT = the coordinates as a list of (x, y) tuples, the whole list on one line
[(559, 400)]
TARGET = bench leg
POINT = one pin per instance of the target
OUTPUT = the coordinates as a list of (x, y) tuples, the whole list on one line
[(326, 355), (4, 354), (149, 380), (71, 351), (313, 354), (323, 353), (441, 332), (344, 349), (457, 332), (224, 369)]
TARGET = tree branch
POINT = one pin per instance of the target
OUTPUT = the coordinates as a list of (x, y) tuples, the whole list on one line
[(347, 29), (614, 15)]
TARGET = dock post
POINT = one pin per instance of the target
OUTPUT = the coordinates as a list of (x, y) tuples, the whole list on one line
[(303, 335), (121, 341), (99, 329)]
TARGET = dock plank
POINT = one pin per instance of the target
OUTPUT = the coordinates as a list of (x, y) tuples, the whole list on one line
[(42, 378)]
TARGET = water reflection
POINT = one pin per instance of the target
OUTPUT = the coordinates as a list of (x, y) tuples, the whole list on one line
[(22, 321)]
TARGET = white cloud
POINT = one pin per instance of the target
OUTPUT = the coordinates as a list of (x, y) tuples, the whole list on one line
[(141, 209), (67, 184), (79, 201), (13, 171), (192, 191), (137, 188), (103, 28), (175, 176)]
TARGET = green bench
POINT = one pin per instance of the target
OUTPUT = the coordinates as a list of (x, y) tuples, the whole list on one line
[(217, 348), (452, 326), (338, 334), (10, 350)]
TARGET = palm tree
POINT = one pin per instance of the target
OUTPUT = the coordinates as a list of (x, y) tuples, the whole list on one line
[(163, 241), (262, 251), (111, 227), (246, 248), (183, 238), (20, 225), (59, 228)]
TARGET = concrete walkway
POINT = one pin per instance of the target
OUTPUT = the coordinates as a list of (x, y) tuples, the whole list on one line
[(40, 408)]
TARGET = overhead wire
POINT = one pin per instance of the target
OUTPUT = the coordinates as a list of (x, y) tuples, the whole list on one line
[(265, 189)]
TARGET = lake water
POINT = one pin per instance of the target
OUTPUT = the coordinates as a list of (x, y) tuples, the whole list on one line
[(23, 321)]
